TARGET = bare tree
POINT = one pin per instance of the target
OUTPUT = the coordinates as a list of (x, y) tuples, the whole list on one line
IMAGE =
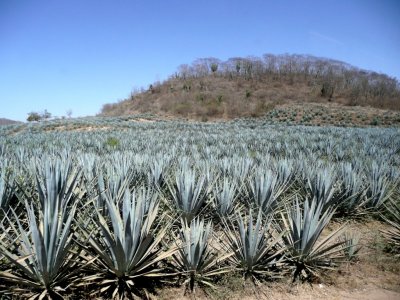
[(46, 115)]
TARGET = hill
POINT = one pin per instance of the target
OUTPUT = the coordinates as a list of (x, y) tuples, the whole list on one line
[(4, 121), (251, 87)]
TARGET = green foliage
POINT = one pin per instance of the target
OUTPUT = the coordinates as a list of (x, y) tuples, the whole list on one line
[(375, 122), (112, 142), (214, 67), (34, 116), (200, 97)]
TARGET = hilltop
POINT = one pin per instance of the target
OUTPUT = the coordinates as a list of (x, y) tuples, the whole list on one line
[(4, 121), (211, 89)]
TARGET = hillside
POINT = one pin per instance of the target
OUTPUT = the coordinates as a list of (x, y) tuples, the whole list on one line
[(4, 121), (251, 87)]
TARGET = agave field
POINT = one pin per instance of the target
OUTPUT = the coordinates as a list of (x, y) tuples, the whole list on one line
[(121, 207)]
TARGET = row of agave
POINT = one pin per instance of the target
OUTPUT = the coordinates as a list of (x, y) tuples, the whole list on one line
[(218, 140), (81, 215), (102, 235), (353, 187)]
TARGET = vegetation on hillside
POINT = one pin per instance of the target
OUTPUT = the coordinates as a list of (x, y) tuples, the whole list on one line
[(38, 116), (252, 86), (4, 121), (292, 115)]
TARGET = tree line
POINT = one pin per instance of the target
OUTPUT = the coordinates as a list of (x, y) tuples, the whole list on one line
[(331, 77), (35, 116)]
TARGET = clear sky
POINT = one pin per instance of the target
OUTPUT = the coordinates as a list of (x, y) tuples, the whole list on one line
[(81, 54)]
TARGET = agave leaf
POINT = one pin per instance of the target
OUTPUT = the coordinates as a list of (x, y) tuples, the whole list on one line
[(187, 193), (323, 246), (18, 279), (304, 228), (391, 216)]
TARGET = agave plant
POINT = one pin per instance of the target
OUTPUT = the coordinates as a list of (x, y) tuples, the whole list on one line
[(264, 191), (392, 218), (195, 258), (91, 167), (321, 185), (241, 167), (156, 174), (256, 247), (188, 193), (351, 245), (379, 187), (126, 244), (111, 186), (304, 228), (285, 173), (40, 250), (351, 191), (7, 185), (225, 197)]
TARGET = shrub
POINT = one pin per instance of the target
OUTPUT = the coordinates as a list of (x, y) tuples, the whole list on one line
[(112, 142)]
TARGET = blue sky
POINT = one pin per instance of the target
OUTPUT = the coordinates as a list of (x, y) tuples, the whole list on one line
[(81, 54)]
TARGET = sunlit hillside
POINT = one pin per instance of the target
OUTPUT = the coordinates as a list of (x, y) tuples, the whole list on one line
[(253, 86)]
